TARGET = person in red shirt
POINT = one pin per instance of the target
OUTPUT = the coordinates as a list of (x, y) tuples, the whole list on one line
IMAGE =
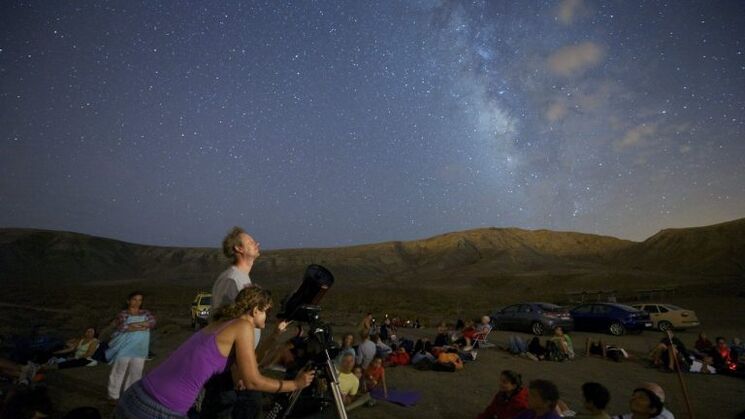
[(399, 357), (510, 400), (375, 375)]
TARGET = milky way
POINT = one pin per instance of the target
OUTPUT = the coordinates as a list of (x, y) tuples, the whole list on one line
[(335, 123)]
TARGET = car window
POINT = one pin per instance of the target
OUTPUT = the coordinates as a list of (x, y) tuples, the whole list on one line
[(525, 308), (583, 309), (663, 309), (674, 307), (651, 309), (549, 307), (510, 309), (600, 309)]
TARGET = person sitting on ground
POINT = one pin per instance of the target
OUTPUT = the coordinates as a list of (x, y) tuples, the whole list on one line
[(647, 401), (399, 357), (380, 347), (611, 352), (360, 374), (510, 400), (703, 366), (78, 351), (723, 360), (346, 347), (442, 339), (467, 333), (737, 348), (703, 345), (349, 384), (563, 342), (596, 398), (422, 351), (536, 349), (365, 351), (448, 360), (375, 376), (543, 397), (666, 352)]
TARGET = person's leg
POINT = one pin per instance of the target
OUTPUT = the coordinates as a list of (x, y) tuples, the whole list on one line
[(116, 378), (359, 401), (134, 372)]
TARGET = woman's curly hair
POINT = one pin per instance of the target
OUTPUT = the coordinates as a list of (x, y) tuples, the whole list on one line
[(249, 298)]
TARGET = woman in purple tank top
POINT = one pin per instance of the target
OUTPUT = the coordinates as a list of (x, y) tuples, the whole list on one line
[(169, 390)]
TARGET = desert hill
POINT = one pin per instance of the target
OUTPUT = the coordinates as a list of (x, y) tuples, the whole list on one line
[(460, 256)]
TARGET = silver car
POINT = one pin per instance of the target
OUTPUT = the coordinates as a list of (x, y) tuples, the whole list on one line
[(536, 318)]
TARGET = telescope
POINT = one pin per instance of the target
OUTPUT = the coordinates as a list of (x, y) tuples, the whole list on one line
[(318, 350), (302, 305)]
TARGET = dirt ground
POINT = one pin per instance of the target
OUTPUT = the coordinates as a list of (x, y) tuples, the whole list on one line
[(465, 393)]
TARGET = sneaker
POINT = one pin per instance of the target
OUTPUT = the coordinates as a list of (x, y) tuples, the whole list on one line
[(473, 355), (92, 363), (531, 356)]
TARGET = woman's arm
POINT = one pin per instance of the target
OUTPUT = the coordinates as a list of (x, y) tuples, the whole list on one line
[(248, 370)]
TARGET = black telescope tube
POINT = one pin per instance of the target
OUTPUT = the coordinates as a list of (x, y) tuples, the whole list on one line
[(316, 281)]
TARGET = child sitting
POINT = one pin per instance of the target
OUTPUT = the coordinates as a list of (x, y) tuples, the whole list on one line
[(375, 376)]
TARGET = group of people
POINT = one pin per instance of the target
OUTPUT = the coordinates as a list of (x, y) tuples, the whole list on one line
[(541, 400), (706, 357), (558, 347)]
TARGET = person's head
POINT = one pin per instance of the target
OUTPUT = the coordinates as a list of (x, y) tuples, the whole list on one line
[(558, 331), (721, 342), (357, 371), (27, 403), (419, 346), (253, 301), (648, 399), (702, 336), (736, 342), (596, 396), (347, 363), (377, 362), (134, 300), (509, 381), (442, 327), (374, 338), (485, 320), (543, 396), (347, 341), (469, 323), (238, 245), (90, 332)]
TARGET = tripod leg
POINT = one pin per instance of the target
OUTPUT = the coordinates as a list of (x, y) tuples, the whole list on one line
[(334, 384)]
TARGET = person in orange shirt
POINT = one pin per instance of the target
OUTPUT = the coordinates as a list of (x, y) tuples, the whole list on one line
[(450, 356), (375, 375)]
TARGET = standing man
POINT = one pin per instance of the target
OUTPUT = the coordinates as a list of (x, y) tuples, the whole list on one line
[(223, 397)]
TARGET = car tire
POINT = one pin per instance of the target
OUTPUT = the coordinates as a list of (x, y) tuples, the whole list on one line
[(616, 329), (664, 326), (537, 328)]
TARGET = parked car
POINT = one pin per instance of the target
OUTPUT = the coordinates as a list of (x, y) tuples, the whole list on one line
[(536, 318), (667, 316), (613, 318), (200, 310)]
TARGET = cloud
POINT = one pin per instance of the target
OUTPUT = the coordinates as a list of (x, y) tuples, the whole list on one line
[(556, 111), (569, 10), (637, 136), (574, 60)]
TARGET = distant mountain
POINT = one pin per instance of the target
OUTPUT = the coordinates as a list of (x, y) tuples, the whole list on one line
[(717, 249), (458, 257)]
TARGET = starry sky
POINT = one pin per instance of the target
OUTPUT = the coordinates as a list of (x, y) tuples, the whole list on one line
[(320, 123)]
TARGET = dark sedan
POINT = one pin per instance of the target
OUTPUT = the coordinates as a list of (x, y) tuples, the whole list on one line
[(612, 318), (536, 318)]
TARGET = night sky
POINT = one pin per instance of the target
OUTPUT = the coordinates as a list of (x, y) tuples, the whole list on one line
[(315, 123)]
